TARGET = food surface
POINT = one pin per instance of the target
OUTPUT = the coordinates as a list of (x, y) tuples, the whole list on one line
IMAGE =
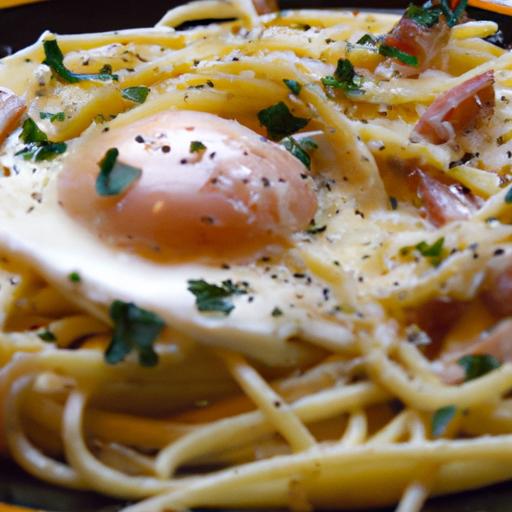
[(261, 262)]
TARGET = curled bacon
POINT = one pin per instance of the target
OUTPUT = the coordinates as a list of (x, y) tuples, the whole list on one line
[(424, 43), (497, 294), (443, 203), (12, 108), (265, 6), (457, 109)]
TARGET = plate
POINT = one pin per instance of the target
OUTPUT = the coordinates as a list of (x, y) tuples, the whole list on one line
[(19, 27)]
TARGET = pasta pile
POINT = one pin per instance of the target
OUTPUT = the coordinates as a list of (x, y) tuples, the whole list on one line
[(400, 390)]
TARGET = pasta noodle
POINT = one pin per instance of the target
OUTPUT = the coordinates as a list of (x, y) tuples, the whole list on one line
[(393, 371)]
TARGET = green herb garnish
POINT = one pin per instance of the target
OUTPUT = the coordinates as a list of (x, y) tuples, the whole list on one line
[(452, 17), (54, 59), (215, 298), (367, 40), (345, 78), (433, 252), (115, 177), (280, 122), (277, 312), (441, 419), (134, 329), (477, 365), (196, 146), (299, 149), (293, 85), (47, 336), (38, 146), (74, 277), (136, 94), (508, 196), (59, 116), (427, 17), (395, 53), (393, 202)]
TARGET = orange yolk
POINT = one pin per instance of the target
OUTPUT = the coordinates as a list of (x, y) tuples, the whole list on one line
[(238, 196)]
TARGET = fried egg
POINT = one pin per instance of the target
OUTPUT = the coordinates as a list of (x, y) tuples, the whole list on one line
[(213, 201)]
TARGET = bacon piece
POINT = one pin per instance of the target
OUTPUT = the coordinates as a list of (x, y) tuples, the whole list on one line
[(12, 108), (457, 110), (443, 203), (424, 43), (265, 6), (497, 343), (497, 294)]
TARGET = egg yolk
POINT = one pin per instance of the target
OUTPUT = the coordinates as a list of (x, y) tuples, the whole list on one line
[(209, 187)]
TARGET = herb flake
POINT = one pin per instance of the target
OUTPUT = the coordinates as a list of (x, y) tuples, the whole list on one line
[(345, 78), (53, 117), (54, 59), (196, 146), (478, 365), (137, 94), (47, 336), (38, 146), (294, 86), (426, 17), (441, 419), (74, 277), (215, 298), (395, 53), (115, 177), (299, 149), (280, 122), (134, 329)]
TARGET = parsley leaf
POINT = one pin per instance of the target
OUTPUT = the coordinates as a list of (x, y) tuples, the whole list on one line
[(134, 329), (277, 312), (477, 365), (433, 252), (59, 116), (345, 78), (427, 17), (115, 177), (367, 40), (54, 59), (47, 336), (74, 277), (293, 85), (211, 297), (441, 419), (299, 149), (196, 146), (280, 122), (508, 196), (395, 53), (38, 146), (135, 94), (452, 17)]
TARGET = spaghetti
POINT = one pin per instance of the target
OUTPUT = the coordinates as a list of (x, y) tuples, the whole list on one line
[(385, 364)]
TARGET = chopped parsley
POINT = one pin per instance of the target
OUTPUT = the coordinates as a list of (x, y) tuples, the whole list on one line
[(367, 40), (477, 365), (395, 53), (47, 336), (115, 177), (54, 59), (38, 147), (134, 329), (196, 146), (508, 196), (58, 116), (299, 149), (432, 252), (345, 78), (136, 94), (280, 122), (452, 17), (393, 202), (293, 85), (441, 419), (277, 312), (426, 17), (74, 277), (215, 298)]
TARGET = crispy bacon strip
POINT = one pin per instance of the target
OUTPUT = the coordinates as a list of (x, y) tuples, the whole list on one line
[(443, 203), (424, 43), (265, 6), (457, 109), (12, 108)]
